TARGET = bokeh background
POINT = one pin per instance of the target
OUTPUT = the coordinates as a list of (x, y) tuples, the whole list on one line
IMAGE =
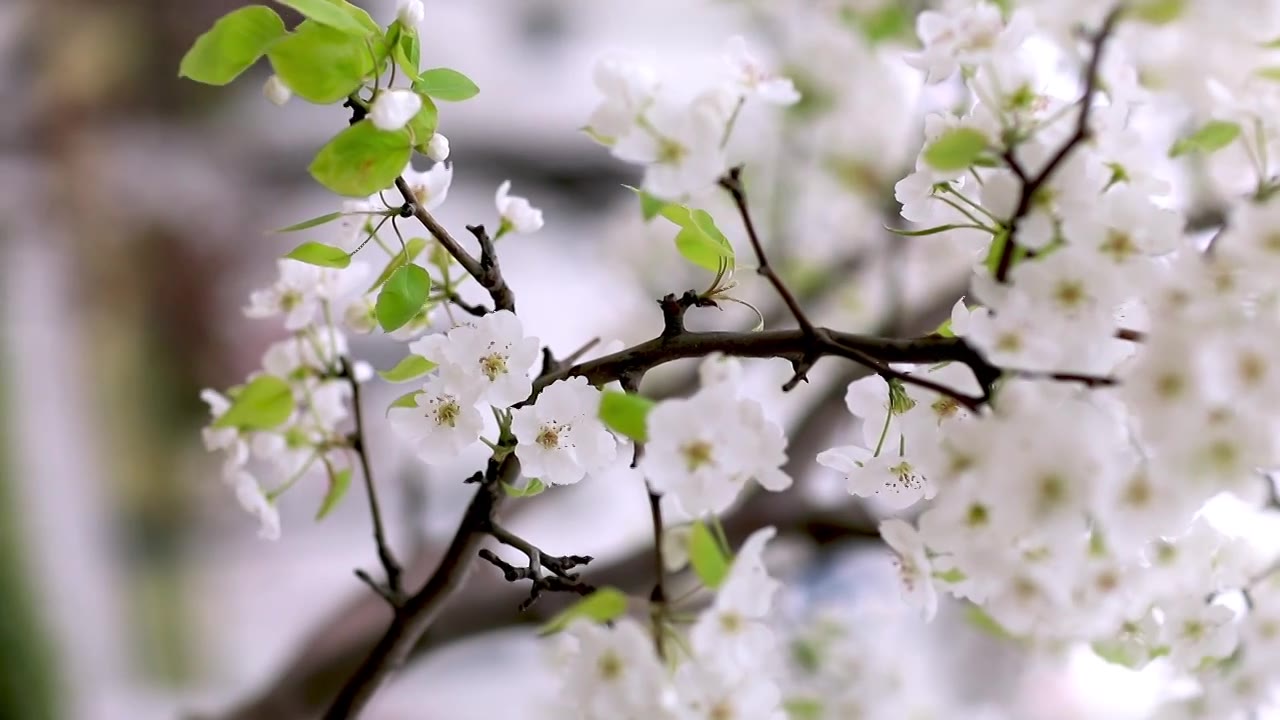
[(134, 217)]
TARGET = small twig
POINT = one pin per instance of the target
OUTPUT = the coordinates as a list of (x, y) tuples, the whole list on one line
[(733, 183), (561, 580), (476, 310), (395, 589), (1031, 185)]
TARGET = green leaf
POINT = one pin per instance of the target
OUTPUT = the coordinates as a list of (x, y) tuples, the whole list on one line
[(650, 205), (337, 14), (998, 242), (705, 223), (321, 64), (978, 618), (402, 296), (626, 414), (313, 222), (410, 251), (314, 253), (338, 483), (412, 366), (446, 84), (701, 250), (531, 488), (235, 42), (1120, 653), (1215, 135), (1159, 12), (601, 606), (710, 561), (407, 400), (265, 403), (802, 708), (1268, 73), (362, 160), (424, 123), (955, 149), (405, 49)]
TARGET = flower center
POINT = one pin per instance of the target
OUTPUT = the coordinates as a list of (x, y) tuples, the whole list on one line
[(671, 152), (447, 413), (610, 666), (697, 454), (493, 365), (549, 437), (1118, 245)]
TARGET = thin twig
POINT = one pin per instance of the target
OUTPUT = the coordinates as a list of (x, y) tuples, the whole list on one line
[(395, 588), (1030, 187)]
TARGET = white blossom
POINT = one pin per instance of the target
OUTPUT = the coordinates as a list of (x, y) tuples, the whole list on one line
[(443, 423), (914, 568), (753, 79), (516, 212), (561, 437), (393, 109), (488, 359), (438, 147), (410, 13), (429, 187), (276, 91)]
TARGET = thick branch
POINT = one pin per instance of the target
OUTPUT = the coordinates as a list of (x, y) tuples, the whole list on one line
[(1031, 184)]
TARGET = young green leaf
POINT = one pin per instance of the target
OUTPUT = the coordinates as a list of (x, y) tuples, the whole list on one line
[(412, 366), (337, 14), (531, 488), (709, 560), (1119, 653), (314, 253), (705, 223), (650, 205), (266, 402), (407, 254), (402, 296), (1215, 135), (424, 123), (601, 606), (446, 84), (235, 42), (338, 483), (321, 64), (405, 50), (626, 413), (407, 400), (701, 249), (313, 222), (361, 160), (955, 149)]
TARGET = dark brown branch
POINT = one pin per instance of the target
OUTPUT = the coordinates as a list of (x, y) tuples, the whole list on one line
[(1031, 184), (561, 579), (420, 610), (476, 310), (393, 593)]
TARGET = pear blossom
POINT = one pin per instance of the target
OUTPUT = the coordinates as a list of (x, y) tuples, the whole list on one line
[(753, 79), (276, 91), (296, 295), (429, 187), (410, 13), (393, 109), (438, 147), (613, 672), (252, 499), (680, 147), (488, 359), (516, 212), (561, 437), (914, 568), (708, 695), (628, 88), (1195, 631), (442, 423), (887, 477), (731, 634)]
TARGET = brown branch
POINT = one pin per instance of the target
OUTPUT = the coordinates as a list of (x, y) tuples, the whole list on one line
[(393, 593), (1031, 184)]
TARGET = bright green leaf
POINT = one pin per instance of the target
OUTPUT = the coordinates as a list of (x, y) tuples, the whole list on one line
[(650, 205), (601, 606), (402, 296), (313, 222), (407, 400), (412, 366), (1159, 12), (701, 250), (801, 708), (405, 49), (361, 160), (704, 222), (1215, 135), (321, 64), (955, 149), (337, 14), (626, 413), (235, 42), (314, 253), (1120, 653), (265, 403), (531, 488), (407, 254), (678, 214), (709, 560), (446, 84), (423, 125), (338, 483)]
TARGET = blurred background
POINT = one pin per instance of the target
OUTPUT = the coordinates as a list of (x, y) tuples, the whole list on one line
[(134, 218)]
